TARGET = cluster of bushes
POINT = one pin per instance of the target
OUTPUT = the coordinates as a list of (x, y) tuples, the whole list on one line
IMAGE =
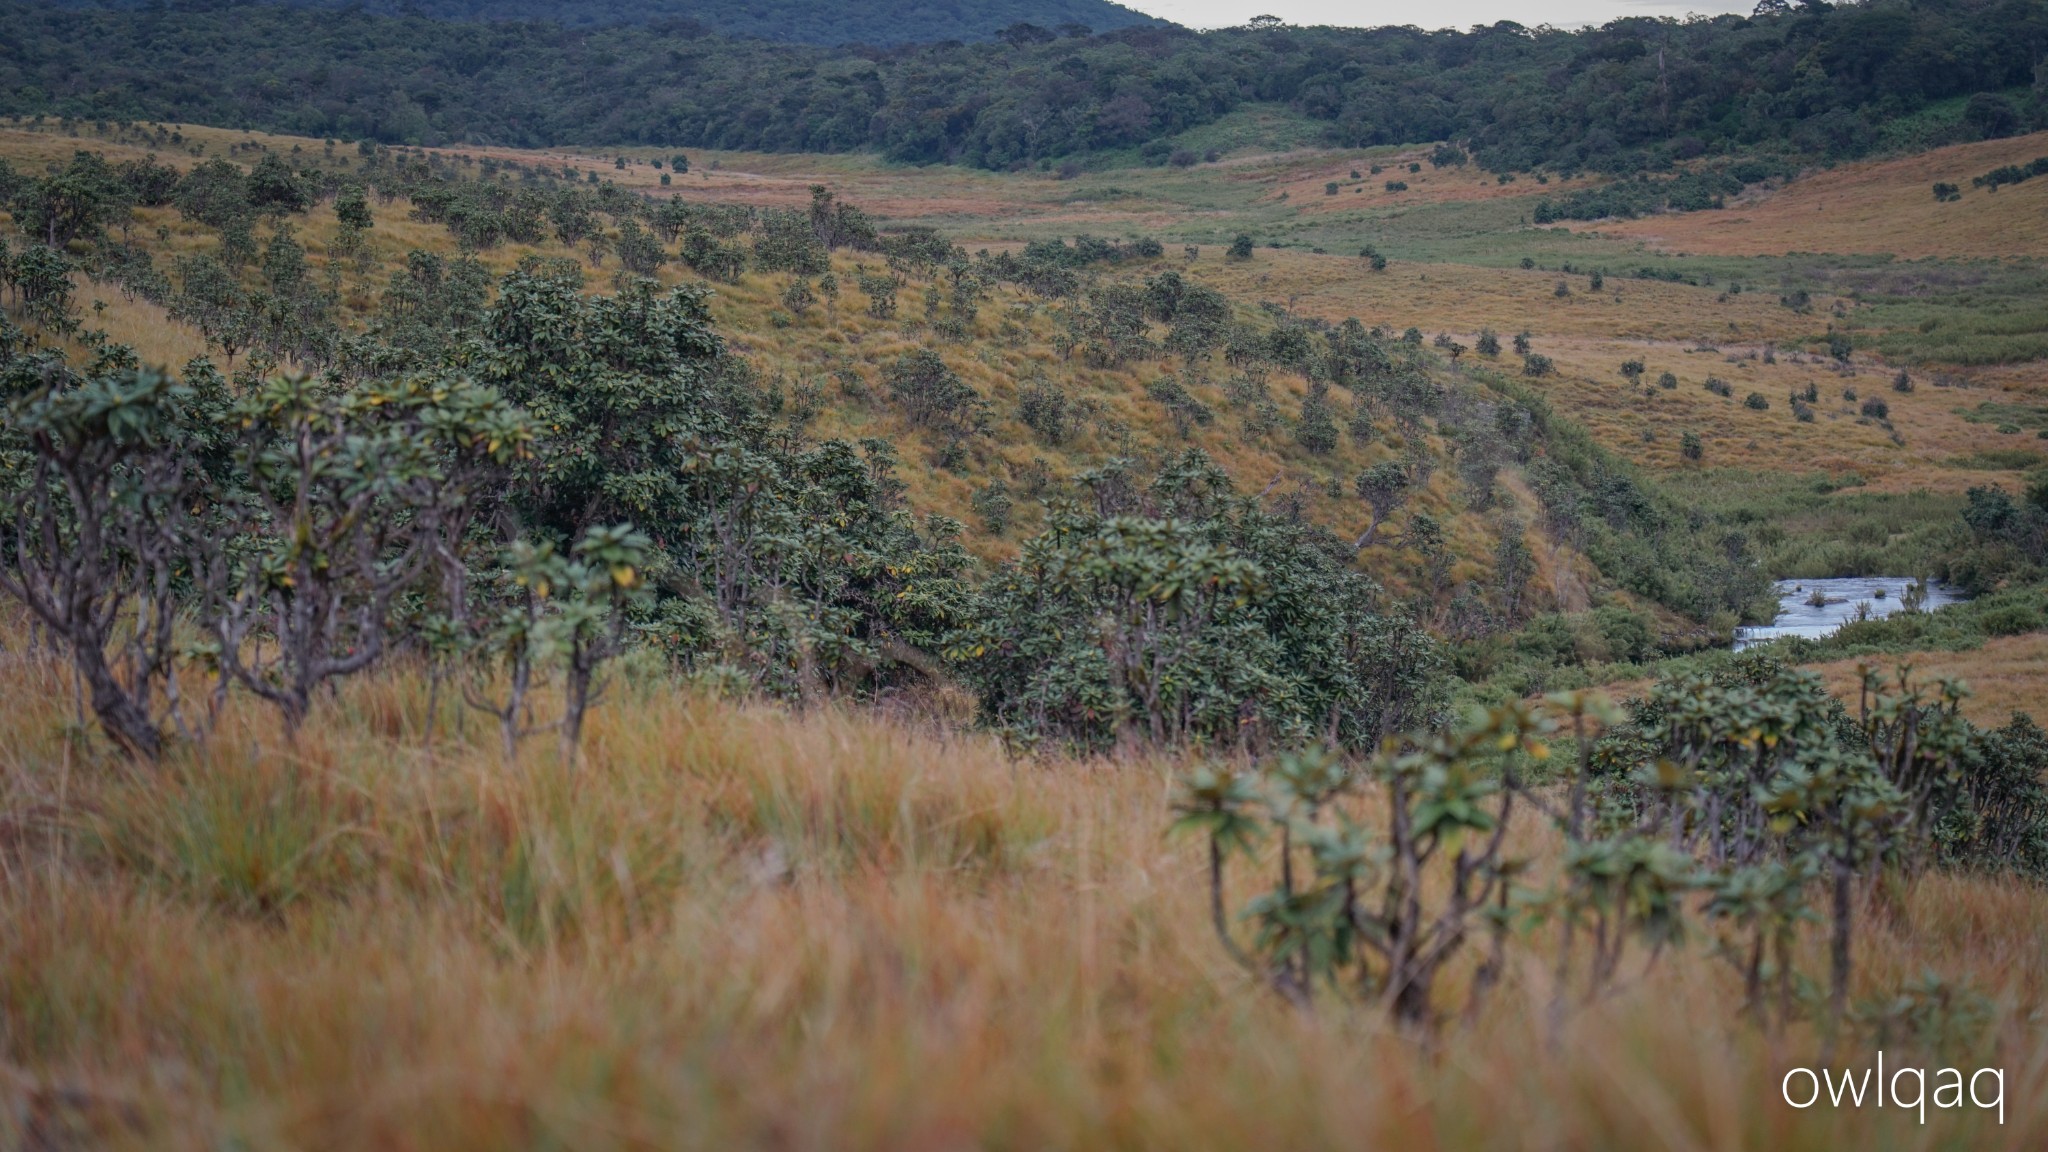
[(1178, 610), (2008, 537), (548, 478), (587, 471), (1627, 199), (1087, 250), (1734, 807), (2011, 174), (288, 315)]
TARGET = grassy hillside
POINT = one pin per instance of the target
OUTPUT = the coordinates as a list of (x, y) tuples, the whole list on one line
[(1698, 322), (831, 362), (1878, 206)]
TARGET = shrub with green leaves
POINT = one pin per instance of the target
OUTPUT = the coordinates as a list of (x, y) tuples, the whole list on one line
[(933, 396), (1738, 802), (1184, 613)]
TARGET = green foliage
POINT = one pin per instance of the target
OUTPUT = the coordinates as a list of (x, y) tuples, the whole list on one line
[(993, 504), (1315, 431), (216, 194), (352, 208), (1184, 613), (427, 309), (340, 503), (41, 279), (100, 475), (1044, 408), (1638, 534), (77, 202), (1186, 411), (2009, 174), (1627, 199), (933, 396), (1760, 767), (1353, 916), (2002, 822), (274, 189), (1727, 801)]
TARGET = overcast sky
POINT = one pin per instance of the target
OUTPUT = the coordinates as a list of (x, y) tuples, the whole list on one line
[(1436, 14)]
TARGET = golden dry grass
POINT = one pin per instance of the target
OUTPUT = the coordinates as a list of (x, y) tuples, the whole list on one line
[(2008, 674), (1876, 206), (739, 927)]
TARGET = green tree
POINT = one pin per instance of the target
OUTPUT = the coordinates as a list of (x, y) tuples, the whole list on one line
[(101, 475), (1316, 432), (75, 203)]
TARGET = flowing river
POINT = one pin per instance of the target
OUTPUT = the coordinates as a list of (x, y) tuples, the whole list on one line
[(1846, 598)]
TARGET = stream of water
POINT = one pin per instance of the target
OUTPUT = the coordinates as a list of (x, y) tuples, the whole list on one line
[(1847, 598)]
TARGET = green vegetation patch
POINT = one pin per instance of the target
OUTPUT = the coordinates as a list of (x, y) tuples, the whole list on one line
[(1998, 412), (1998, 460)]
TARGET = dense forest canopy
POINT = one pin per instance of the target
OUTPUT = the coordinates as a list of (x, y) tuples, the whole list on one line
[(795, 21), (1819, 79)]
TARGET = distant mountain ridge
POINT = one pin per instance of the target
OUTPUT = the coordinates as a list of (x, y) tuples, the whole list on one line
[(823, 22)]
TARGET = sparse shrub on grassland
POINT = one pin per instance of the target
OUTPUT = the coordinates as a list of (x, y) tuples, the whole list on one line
[(933, 395), (993, 504), (1044, 408)]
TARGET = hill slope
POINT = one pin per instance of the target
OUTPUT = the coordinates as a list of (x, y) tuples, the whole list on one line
[(789, 21)]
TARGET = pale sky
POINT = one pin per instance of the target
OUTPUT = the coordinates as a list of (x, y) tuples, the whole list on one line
[(1437, 14)]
